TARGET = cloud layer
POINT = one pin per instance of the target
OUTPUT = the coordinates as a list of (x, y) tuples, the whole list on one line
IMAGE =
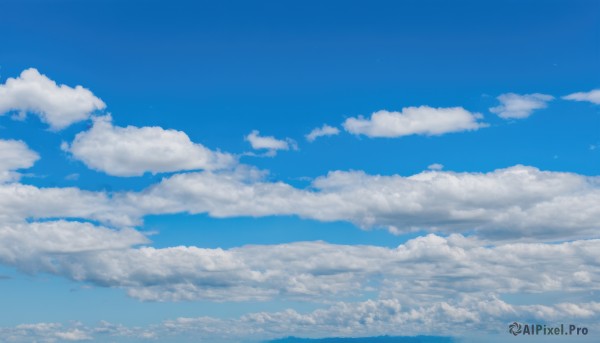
[(423, 120), (468, 276), (528, 204), (513, 231), (315, 271), (460, 317), (57, 105)]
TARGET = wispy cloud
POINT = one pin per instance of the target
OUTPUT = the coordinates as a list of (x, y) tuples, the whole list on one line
[(323, 131), (592, 96), (515, 106), (269, 143)]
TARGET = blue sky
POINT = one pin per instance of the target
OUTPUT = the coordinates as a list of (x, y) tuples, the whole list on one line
[(175, 190)]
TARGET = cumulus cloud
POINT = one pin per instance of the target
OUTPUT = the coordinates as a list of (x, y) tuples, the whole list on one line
[(388, 316), (592, 96), (14, 155), (19, 202), (316, 271), (323, 131), (44, 239), (42, 246), (47, 333), (461, 316), (73, 335), (57, 105), (423, 120), (133, 151), (527, 203), (516, 106), (269, 143), (433, 280), (432, 283)]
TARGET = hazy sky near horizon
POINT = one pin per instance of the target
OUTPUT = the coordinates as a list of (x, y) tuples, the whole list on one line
[(236, 171)]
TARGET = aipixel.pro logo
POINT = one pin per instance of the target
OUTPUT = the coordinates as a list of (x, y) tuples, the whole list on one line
[(516, 328)]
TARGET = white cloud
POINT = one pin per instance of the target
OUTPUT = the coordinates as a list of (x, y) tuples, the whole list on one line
[(592, 96), (14, 155), (323, 131), (424, 269), (72, 177), (429, 284), (515, 106), (46, 332), (40, 246), (266, 142), (435, 166), (461, 316), (269, 143), (19, 202), (64, 237), (527, 203), (57, 105), (132, 151), (433, 280), (73, 335), (423, 120)]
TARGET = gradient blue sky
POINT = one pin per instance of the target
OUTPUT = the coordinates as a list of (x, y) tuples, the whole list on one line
[(219, 70)]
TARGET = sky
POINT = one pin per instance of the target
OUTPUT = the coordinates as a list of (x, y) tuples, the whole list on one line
[(246, 171)]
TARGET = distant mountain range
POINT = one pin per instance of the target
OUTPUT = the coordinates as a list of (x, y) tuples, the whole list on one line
[(380, 339)]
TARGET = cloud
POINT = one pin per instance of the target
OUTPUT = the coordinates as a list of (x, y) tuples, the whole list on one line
[(528, 204), (73, 335), (484, 247), (424, 269), (435, 166), (15, 155), (39, 246), (64, 237), (57, 105), (323, 131), (269, 143), (423, 120), (592, 96), (433, 280), (46, 332), (133, 151), (458, 317), (515, 106), (20, 202)]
